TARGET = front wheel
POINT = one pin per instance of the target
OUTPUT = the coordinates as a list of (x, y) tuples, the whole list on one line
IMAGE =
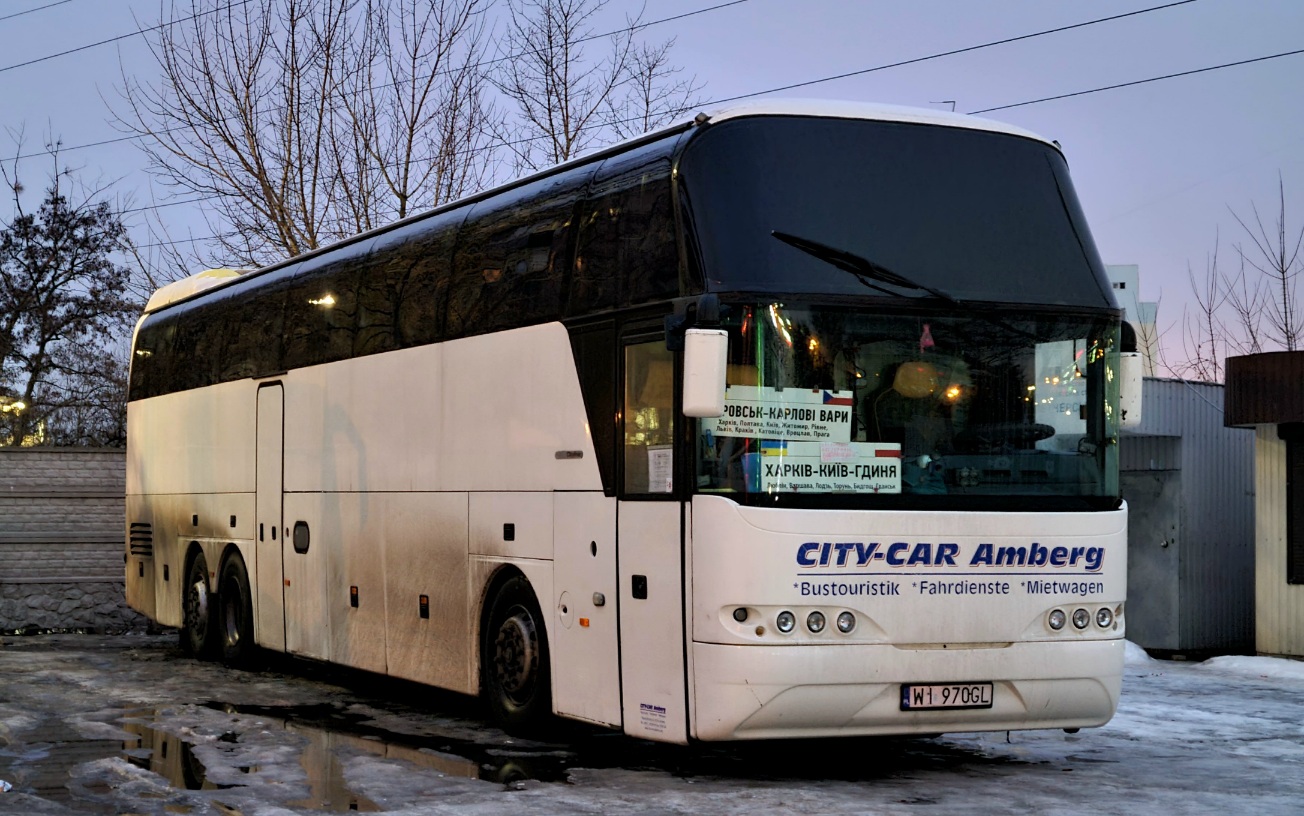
[(514, 659), (237, 618), (197, 610)]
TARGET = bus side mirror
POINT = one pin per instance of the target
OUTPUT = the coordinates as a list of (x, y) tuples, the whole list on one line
[(1129, 389), (705, 353)]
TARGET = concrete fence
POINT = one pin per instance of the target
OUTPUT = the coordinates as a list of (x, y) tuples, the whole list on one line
[(61, 540)]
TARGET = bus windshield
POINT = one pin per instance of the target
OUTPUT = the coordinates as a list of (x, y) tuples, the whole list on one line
[(978, 215), (915, 408)]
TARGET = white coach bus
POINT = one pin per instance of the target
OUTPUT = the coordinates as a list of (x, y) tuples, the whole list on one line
[(877, 493)]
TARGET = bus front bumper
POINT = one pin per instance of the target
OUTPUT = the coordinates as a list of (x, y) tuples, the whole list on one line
[(759, 692)]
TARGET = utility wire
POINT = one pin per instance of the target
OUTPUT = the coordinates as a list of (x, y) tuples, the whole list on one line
[(137, 136), (118, 38), (1141, 81), (30, 10), (883, 67), (953, 52), (984, 110)]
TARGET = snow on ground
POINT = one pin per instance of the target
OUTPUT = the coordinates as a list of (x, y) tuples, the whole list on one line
[(98, 725)]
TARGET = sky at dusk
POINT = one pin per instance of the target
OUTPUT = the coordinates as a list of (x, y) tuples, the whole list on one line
[(1158, 166)]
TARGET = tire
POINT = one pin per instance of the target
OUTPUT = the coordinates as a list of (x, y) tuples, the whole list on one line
[(198, 611), (514, 666), (236, 621)]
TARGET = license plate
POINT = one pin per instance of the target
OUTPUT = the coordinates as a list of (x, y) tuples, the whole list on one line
[(921, 697)]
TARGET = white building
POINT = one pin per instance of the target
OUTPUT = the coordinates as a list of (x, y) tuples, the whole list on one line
[(1126, 281)]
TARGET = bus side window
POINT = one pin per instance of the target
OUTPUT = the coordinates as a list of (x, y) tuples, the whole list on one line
[(512, 256), (649, 418), (627, 252)]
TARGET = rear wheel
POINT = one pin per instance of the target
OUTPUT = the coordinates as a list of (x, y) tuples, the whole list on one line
[(197, 610), (237, 618), (514, 659)]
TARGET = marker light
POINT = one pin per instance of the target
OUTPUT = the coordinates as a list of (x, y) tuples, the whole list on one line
[(1081, 618), (1056, 619), (846, 622), (815, 622), (785, 621), (1104, 618)]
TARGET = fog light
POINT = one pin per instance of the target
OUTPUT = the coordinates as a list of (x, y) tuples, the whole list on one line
[(846, 622), (785, 621), (1081, 618), (815, 622), (740, 614), (1104, 618), (1056, 619)]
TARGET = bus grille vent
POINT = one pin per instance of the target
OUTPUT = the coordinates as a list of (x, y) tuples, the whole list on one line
[(142, 539)]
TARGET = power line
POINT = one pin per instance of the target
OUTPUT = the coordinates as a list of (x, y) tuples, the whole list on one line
[(912, 61), (137, 136), (30, 10), (984, 110), (1141, 81), (118, 38), (953, 52)]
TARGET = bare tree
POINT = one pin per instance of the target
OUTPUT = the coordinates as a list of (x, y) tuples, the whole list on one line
[(305, 121), (1253, 309), (1276, 256), (1203, 334), (565, 101)]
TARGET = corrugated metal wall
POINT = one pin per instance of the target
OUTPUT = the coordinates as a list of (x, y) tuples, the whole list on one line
[(1215, 546), (1280, 606)]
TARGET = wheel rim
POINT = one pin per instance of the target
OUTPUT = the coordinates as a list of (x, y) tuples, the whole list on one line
[(233, 613), (197, 605), (516, 655)]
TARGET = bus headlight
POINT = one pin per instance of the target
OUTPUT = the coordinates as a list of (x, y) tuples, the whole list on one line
[(1104, 618), (815, 622), (1056, 619), (846, 622), (785, 621), (1081, 618)]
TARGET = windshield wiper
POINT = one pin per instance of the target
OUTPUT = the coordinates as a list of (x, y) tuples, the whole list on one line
[(865, 270)]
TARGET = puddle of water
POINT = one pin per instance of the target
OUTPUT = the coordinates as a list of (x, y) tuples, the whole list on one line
[(331, 731), (337, 727)]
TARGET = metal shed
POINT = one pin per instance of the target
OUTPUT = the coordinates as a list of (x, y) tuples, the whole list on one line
[(1189, 485)]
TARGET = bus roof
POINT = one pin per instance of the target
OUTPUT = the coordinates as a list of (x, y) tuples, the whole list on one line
[(839, 109)]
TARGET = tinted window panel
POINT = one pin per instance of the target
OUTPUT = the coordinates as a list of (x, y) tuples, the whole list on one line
[(627, 252), (513, 257), (321, 311), (404, 285), (976, 215)]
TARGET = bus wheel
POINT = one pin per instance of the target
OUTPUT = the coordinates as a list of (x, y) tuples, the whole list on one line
[(237, 618), (514, 659), (197, 610)]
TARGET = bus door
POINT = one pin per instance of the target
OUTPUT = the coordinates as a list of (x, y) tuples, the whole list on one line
[(268, 577), (649, 551)]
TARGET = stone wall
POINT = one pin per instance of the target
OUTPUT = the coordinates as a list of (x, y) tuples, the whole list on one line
[(61, 540)]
